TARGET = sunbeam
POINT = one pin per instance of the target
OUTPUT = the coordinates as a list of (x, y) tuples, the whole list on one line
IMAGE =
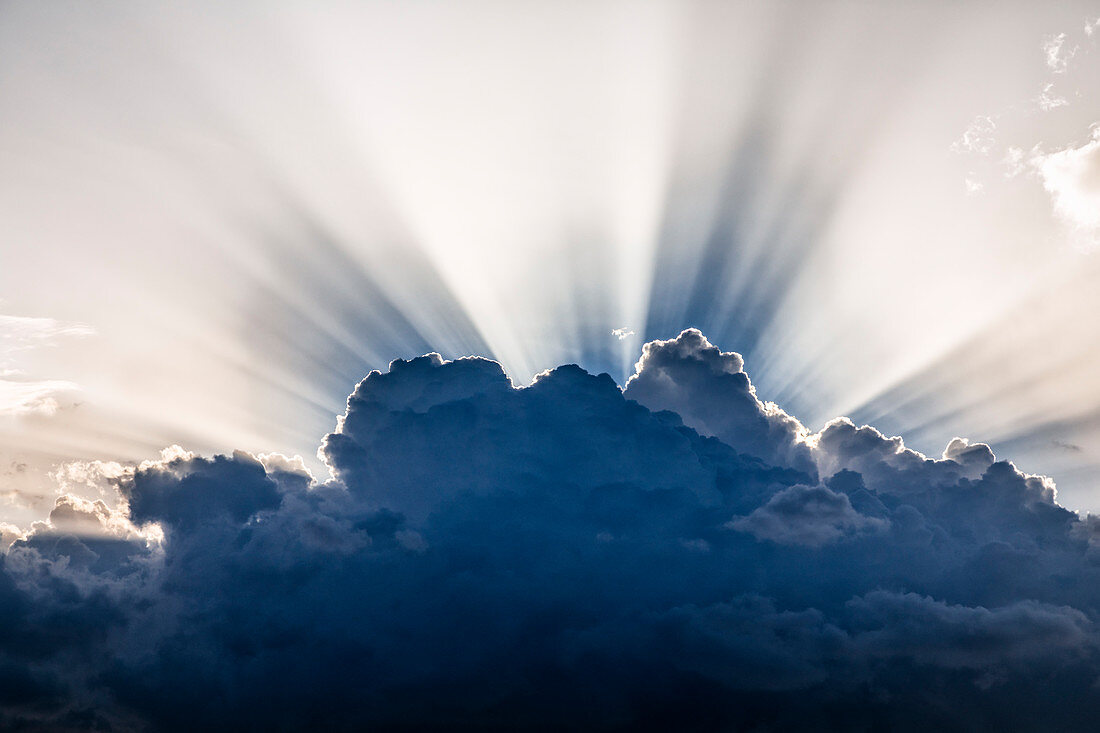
[(263, 203)]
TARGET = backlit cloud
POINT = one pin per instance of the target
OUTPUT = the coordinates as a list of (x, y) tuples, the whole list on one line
[(1072, 178), (680, 556)]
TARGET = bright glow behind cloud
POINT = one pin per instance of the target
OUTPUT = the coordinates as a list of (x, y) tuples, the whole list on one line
[(261, 204), (1072, 177)]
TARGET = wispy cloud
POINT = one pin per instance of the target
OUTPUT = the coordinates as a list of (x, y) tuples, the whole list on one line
[(978, 137), (22, 393), (1013, 162), (1048, 100), (32, 397), (20, 332), (622, 333), (1056, 53)]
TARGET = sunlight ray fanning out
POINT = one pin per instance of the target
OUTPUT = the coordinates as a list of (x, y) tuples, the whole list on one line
[(265, 202)]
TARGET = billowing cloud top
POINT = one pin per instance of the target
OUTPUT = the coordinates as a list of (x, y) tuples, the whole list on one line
[(681, 555)]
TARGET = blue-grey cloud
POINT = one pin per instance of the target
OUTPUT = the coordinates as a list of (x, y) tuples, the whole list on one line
[(806, 515), (566, 555)]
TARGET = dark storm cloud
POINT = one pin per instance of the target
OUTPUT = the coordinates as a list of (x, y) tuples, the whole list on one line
[(560, 556)]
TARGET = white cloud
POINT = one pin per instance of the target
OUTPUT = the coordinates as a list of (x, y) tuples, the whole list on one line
[(21, 394), (1048, 100), (26, 332), (1057, 56), (1072, 178), (1092, 26), (1013, 162), (622, 333), (27, 398), (9, 533), (978, 137), (973, 187), (93, 479), (90, 518)]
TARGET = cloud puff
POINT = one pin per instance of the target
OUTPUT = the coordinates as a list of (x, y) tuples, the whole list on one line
[(1072, 178), (710, 390), (566, 555), (806, 515)]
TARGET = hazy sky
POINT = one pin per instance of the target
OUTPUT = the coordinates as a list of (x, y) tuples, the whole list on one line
[(215, 218)]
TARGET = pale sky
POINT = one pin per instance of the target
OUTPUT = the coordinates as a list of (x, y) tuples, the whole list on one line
[(216, 218)]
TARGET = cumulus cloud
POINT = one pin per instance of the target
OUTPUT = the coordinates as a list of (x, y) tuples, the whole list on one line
[(681, 555), (1072, 178), (710, 390), (622, 333), (806, 515)]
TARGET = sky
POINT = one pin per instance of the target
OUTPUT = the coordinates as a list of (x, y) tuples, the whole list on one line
[(217, 219)]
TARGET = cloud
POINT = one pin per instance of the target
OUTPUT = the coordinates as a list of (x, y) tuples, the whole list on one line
[(806, 515), (1048, 100), (20, 394), (42, 397), (709, 389), (1091, 26), (1056, 54), (24, 331), (978, 137), (934, 633), (1013, 162), (622, 333), (976, 457), (681, 555), (1072, 178)]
